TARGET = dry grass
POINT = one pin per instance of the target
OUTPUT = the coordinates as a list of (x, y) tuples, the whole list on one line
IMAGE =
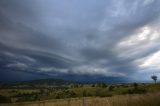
[(150, 99)]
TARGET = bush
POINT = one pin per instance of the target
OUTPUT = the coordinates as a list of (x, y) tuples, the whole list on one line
[(111, 88), (72, 94), (104, 85), (135, 85), (92, 85), (59, 95), (136, 91), (4, 99)]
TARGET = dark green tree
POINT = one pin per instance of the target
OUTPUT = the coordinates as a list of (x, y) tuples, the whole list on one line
[(154, 77), (135, 85)]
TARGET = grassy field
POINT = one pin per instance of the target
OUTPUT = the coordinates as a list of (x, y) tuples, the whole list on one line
[(148, 99), (132, 94)]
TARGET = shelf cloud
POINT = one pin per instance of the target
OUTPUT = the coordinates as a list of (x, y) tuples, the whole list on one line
[(102, 39)]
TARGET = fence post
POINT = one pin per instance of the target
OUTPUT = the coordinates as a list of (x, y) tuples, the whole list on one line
[(69, 101), (84, 102)]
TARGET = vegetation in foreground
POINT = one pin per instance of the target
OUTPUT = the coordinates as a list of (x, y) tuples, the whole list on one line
[(55, 93), (148, 99)]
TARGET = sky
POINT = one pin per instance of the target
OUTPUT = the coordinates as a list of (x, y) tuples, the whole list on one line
[(85, 40)]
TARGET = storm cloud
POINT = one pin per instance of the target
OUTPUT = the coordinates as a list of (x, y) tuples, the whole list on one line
[(106, 39)]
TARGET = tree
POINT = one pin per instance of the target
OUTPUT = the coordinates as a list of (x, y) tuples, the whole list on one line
[(92, 85), (111, 88), (154, 77), (104, 85), (135, 85)]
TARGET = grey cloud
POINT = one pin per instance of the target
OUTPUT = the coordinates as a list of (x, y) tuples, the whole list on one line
[(64, 38)]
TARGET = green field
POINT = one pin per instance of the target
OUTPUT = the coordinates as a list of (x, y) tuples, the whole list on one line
[(100, 94)]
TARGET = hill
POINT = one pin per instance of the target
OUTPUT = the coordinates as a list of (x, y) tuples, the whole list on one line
[(38, 83)]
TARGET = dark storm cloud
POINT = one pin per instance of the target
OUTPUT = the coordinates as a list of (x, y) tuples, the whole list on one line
[(31, 61), (18, 33), (89, 37)]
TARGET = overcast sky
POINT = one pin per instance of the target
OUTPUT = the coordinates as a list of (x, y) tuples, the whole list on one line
[(96, 38)]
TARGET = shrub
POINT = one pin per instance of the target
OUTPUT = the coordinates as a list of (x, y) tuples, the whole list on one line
[(111, 88), (4, 99), (104, 85), (136, 91), (135, 85), (72, 94), (93, 85)]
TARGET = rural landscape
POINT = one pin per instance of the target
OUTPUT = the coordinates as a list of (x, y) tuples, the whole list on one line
[(56, 92), (79, 53)]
